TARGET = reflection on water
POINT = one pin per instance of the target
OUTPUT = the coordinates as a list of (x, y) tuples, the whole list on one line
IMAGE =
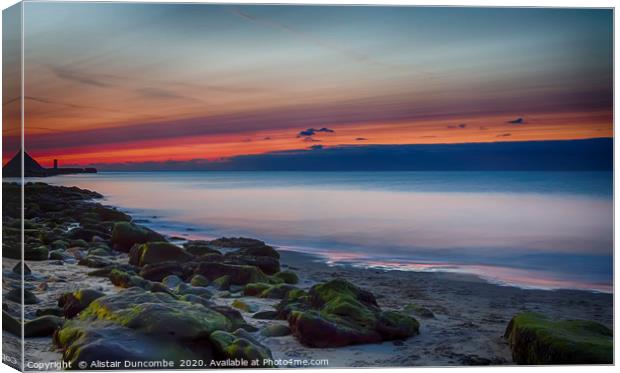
[(535, 229)]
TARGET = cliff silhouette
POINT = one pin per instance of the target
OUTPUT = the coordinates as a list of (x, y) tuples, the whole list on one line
[(32, 168)]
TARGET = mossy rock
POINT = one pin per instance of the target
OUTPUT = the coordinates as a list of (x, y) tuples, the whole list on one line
[(536, 339), (239, 274), (59, 245), (159, 252), (338, 313), (255, 289), (125, 235), (244, 306), (277, 291), (199, 280), (288, 277), (91, 341), (275, 330), (200, 248), (221, 283), (37, 253), (239, 345), (125, 280), (75, 302), (11, 324), (265, 315), (99, 251), (58, 255), (157, 314)]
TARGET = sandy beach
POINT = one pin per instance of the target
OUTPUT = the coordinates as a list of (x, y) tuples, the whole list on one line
[(470, 315)]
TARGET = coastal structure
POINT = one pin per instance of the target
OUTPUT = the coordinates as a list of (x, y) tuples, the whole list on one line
[(32, 168)]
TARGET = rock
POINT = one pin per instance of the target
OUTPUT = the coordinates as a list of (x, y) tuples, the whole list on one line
[(125, 235), (171, 281), (11, 324), (157, 272), (243, 306), (239, 274), (275, 330), (78, 243), (418, 310), (265, 315), (93, 261), (221, 283), (255, 289), (42, 326), (239, 345), (267, 264), (86, 234), (50, 311), (89, 342), (16, 296), (37, 253), (18, 269), (199, 280), (277, 291), (536, 339), (158, 252), (58, 255), (59, 245), (236, 242), (75, 302), (99, 251), (125, 280), (157, 287), (184, 289), (199, 248), (338, 313), (157, 314), (288, 277)]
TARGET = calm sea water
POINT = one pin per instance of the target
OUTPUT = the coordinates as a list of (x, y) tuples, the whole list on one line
[(530, 229)]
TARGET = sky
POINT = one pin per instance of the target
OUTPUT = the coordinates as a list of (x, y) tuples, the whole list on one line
[(112, 83)]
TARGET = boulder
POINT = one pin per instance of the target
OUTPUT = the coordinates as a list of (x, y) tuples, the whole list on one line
[(288, 277), (338, 313), (157, 272), (536, 339), (239, 345), (171, 281), (158, 252), (75, 302), (125, 235), (199, 248), (199, 280), (269, 265), (221, 283), (18, 269), (16, 296), (265, 315), (157, 314), (244, 306), (239, 274), (11, 324), (275, 330), (42, 326)]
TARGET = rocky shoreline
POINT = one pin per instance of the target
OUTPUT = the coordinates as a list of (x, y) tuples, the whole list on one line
[(99, 287)]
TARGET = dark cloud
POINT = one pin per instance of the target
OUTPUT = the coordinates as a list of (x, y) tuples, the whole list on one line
[(361, 139), (504, 134), (482, 128), (458, 126), (517, 121), (313, 131), (267, 138), (315, 147)]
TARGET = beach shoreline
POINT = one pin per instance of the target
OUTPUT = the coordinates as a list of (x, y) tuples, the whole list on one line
[(462, 317)]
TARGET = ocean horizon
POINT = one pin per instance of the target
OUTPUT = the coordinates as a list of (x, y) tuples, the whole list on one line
[(531, 229)]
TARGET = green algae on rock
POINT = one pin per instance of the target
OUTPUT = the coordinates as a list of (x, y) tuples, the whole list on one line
[(125, 235), (338, 313), (536, 339)]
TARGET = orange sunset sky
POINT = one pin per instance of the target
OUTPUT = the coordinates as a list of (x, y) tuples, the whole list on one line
[(112, 83)]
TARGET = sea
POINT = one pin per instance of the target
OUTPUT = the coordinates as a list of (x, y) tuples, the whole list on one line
[(545, 230)]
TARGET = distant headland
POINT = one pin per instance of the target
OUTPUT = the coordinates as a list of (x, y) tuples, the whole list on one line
[(32, 168)]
